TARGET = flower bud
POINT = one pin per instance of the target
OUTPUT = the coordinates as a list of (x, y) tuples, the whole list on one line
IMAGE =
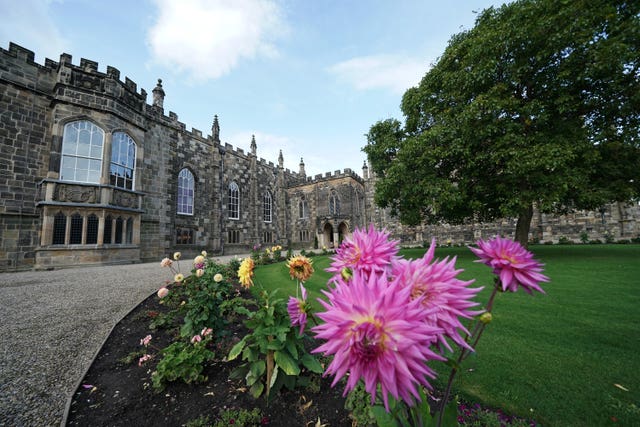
[(199, 272), (346, 274), (163, 292), (486, 317)]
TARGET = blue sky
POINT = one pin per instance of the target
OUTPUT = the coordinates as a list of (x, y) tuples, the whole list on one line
[(308, 77)]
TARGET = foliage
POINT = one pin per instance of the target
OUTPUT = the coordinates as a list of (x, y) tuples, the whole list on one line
[(537, 104), (584, 237), (184, 361), (205, 300), (274, 354), (235, 417)]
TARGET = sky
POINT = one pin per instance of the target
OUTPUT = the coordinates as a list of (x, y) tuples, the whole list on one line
[(308, 77)]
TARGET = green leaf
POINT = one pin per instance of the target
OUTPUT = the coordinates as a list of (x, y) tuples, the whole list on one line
[(291, 347), (256, 389), (239, 373), (450, 416), (274, 376), (257, 368), (311, 363), (236, 349), (286, 362), (383, 418)]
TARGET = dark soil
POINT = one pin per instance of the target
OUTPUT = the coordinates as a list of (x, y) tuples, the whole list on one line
[(117, 394)]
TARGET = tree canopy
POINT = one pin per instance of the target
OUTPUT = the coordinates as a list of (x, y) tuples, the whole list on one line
[(538, 103)]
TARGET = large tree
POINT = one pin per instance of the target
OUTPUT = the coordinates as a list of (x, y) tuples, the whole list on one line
[(537, 104)]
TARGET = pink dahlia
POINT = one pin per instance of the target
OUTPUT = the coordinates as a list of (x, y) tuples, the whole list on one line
[(512, 263), (369, 251), (297, 309), (378, 333), (445, 297)]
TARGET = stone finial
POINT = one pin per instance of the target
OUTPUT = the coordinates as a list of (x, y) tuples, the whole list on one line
[(280, 160), (365, 170), (158, 95), (302, 171), (254, 146), (215, 129)]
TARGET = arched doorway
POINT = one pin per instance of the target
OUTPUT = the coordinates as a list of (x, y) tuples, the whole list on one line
[(343, 231), (327, 235)]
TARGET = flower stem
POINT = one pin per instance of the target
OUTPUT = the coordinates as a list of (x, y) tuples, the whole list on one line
[(475, 336)]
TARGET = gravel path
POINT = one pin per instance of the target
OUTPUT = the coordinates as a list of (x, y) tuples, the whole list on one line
[(52, 323)]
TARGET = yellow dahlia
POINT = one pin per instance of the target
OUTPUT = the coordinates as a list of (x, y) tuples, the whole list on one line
[(245, 272), (300, 267)]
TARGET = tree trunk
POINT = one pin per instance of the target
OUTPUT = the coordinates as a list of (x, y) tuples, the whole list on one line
[(523, 225)]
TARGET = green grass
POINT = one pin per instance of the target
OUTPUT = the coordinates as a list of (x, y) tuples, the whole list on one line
[(553, 357)]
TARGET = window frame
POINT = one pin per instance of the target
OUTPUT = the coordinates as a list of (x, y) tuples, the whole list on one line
[(267, 207), (233, 201), (69, 154), (118, 138), (186, 184)]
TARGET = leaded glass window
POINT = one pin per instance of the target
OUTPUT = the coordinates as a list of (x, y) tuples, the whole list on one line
[(59, 228), (92, 229), (266, 207), (75, 237)]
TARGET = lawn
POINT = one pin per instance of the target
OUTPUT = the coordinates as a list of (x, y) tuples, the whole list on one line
[(564, 358)]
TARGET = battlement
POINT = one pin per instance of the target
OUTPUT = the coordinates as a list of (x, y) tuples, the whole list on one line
[(347, 173)]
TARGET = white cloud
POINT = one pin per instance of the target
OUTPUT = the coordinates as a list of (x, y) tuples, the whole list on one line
[(317, 159), (391, 72), (29, 24), (207, 38)]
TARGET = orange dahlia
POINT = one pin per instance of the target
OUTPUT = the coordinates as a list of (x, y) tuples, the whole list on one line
[(300, 267)]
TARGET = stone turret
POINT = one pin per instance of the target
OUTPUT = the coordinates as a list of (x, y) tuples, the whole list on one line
[(158, 95), (215, 129), (254, 146), (365, 171), (302, 172), (280, 160)]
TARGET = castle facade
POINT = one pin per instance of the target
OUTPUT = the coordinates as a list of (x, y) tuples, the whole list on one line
[(91, 173)]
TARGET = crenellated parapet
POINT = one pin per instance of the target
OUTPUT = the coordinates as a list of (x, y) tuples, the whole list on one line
[(346, 173)]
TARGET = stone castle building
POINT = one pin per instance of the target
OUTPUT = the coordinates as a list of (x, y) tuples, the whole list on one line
[(91, 173)]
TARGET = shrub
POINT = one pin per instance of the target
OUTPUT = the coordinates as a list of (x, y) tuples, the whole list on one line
[(272, 350), (182, 360), (624, 242), (584, 237), (595, 242), (563, 240)]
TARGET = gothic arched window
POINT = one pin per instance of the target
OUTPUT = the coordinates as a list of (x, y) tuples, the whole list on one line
[(185, 192), (234, 201), (123, 160), (82, 144), (334, 203), (303, 208)]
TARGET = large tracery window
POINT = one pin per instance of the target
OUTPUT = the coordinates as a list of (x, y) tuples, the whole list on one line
[(185, 192), (266, 207), (234, 201), (123, 160), (82, 144)]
